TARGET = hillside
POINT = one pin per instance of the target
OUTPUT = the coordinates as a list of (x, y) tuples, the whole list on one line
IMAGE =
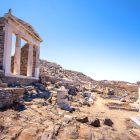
[(52, 71)]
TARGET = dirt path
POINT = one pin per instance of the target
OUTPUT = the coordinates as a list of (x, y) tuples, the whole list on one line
[(117, 116)]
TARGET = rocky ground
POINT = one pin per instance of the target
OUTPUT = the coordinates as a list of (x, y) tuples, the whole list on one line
[(69, 105)]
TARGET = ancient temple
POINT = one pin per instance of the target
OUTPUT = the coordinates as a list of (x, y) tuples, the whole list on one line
[(23, 61)]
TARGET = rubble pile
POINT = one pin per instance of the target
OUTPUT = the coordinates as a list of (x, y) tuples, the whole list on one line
[(47, 115), (54, 73), (118, 90), (44, 119)]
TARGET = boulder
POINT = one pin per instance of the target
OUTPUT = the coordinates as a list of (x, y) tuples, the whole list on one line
[(82, 119), (43, 94), (111, 92), (40, 86), (72, 91), (108, 122), (86, 94), (66, 107), (95, 122)]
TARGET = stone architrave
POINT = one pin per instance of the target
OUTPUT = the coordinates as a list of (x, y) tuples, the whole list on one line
[(17, 56)]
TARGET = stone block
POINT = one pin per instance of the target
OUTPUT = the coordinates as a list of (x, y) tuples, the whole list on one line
[(3, 85)]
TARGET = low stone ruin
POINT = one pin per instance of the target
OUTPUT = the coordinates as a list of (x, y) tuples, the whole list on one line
[(11, 96)]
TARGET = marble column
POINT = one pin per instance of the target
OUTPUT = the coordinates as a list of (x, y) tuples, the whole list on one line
[(17, 56), (7, 50), (30, 61), (37, 62)]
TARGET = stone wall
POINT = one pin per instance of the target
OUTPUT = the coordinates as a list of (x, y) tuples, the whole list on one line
[(24, 59), (9, 96), (2, 34), (16, 80)]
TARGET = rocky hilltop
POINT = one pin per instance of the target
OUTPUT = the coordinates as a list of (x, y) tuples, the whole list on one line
[(57, 74)]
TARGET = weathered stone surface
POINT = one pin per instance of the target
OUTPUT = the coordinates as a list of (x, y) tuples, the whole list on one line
[(10, 95), (3, 85), (29, 133), (73, 132), (16, 81)]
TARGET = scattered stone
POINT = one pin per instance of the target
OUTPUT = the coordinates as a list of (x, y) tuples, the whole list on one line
[(82, 119), (108, 122), (122, 100), (3, 85), (40, 86), (111, 92), (95, 122), (73, 91), (1, 128)]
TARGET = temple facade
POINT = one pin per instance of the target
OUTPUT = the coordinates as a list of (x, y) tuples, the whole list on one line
[(18, 59)]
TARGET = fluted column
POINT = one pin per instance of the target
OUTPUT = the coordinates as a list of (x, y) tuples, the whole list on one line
[(17, 56), (30, 60), (37, 62), (7, 49)]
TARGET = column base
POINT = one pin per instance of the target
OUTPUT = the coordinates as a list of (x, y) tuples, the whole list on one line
[(37, 72), (20, 76), (136, 120)]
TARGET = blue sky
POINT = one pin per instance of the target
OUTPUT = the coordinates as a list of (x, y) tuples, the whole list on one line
[(100, 38)]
